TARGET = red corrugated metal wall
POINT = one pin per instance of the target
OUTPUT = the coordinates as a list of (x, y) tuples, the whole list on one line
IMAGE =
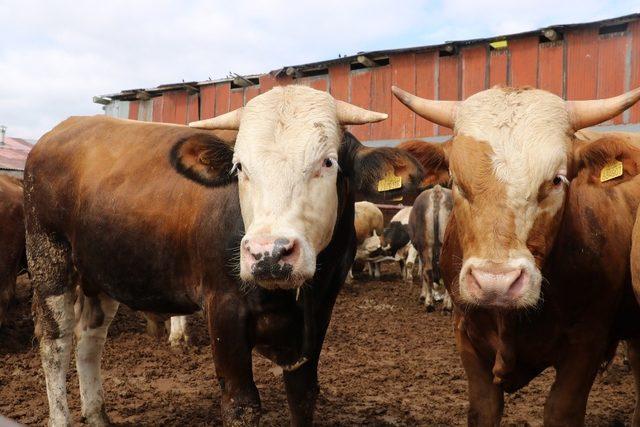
[(584, 64)]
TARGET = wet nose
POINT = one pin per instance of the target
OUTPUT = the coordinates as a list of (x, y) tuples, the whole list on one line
[(497, 281), (271, 257)]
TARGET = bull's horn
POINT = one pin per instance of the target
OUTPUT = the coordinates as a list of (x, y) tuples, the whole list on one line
[(583, 114), (349, 114), (228, 121), (442, 113)]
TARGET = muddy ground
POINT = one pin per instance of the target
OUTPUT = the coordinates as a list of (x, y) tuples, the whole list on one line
[(385, 362)]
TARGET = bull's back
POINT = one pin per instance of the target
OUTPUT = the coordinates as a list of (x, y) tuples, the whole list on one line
[(137, 229)]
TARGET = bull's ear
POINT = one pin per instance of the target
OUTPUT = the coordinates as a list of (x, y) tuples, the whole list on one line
[(203, 158), (605, 159), (433, 157), (379, 173)]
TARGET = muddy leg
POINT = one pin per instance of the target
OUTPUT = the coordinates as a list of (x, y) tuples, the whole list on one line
[(302, 391), (376, 270), (411, 260), (427, 290), (486, 400), (96, 315), (633, 354), (53, 298), (179, 331), (228, 319)]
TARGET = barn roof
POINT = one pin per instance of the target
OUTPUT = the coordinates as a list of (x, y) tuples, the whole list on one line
[(13, 154), (451, 46)]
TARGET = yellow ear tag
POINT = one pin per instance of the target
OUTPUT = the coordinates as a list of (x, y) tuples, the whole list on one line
[(389, 182), (611, 170)]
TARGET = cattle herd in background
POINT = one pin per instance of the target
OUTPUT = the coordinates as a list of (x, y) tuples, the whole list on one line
[(535, 248)]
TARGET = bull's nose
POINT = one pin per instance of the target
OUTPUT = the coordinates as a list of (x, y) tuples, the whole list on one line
[(497, 281), (270, 257)]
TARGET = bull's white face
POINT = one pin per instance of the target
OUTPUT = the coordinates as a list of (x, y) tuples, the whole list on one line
[(286, 154), (508, 161)]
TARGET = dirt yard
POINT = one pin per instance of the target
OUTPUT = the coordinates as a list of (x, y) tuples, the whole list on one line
[(385, 362)]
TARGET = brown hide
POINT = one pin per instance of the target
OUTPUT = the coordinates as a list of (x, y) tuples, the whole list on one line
[(11, 238), (124, 198)]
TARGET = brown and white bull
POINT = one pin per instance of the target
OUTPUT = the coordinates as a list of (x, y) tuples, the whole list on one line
[(369, 224), (12, 257), (171, 219), (536, 254), (427, 223)]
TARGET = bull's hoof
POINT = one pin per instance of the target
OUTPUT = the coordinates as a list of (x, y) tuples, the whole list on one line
[(98, 419), (241, 417)]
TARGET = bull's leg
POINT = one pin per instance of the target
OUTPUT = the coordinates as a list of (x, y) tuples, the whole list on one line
[(53, 298), (567, 401), (369, 268), (633, 355), (96, 315), (179, 331), (447, 304), (411, 260), (427, 290), (228, 321), (486, 400), (376, 270), (302, 391)]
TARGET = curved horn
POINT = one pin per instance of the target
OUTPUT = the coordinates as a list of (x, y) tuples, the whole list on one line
[(442, 113), (349, 114), (583, 114), (228, 121)]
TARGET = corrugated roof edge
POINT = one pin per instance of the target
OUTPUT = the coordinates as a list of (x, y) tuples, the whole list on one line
[(132, 94)]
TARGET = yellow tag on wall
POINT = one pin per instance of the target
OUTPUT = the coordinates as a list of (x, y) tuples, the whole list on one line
[(389, 182), (611, 170)]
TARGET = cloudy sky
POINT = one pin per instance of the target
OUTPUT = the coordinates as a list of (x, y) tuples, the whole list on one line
[(55, 55)]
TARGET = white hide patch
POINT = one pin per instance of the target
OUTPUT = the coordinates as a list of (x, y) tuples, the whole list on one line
[(529, 133)]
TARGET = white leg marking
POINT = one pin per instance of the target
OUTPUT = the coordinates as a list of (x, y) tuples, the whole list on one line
[(179, 331), (55, 354), (91, 333)]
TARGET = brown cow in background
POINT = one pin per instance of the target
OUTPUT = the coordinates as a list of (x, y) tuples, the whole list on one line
[(369, 224), (531, 200), (12, 258)]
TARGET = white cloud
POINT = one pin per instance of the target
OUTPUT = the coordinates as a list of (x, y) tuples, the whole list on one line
[(55, 55)]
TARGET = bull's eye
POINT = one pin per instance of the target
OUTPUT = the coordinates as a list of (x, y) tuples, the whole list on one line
[(559, 180), (328, 162), (237, 167)]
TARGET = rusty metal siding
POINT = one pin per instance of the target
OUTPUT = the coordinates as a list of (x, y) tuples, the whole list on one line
[(157, 109), (634, 63), (474, 68), (523, 62), (236, 98), (582, 63), (498, 67), (448, 87), (133, 110), (250, 93), (223, 92), (426, 64), (381, 99), (611, 67), (551, 67), (193, 107), (403, 74), (207, 101), (339, 82), (360, 95)]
